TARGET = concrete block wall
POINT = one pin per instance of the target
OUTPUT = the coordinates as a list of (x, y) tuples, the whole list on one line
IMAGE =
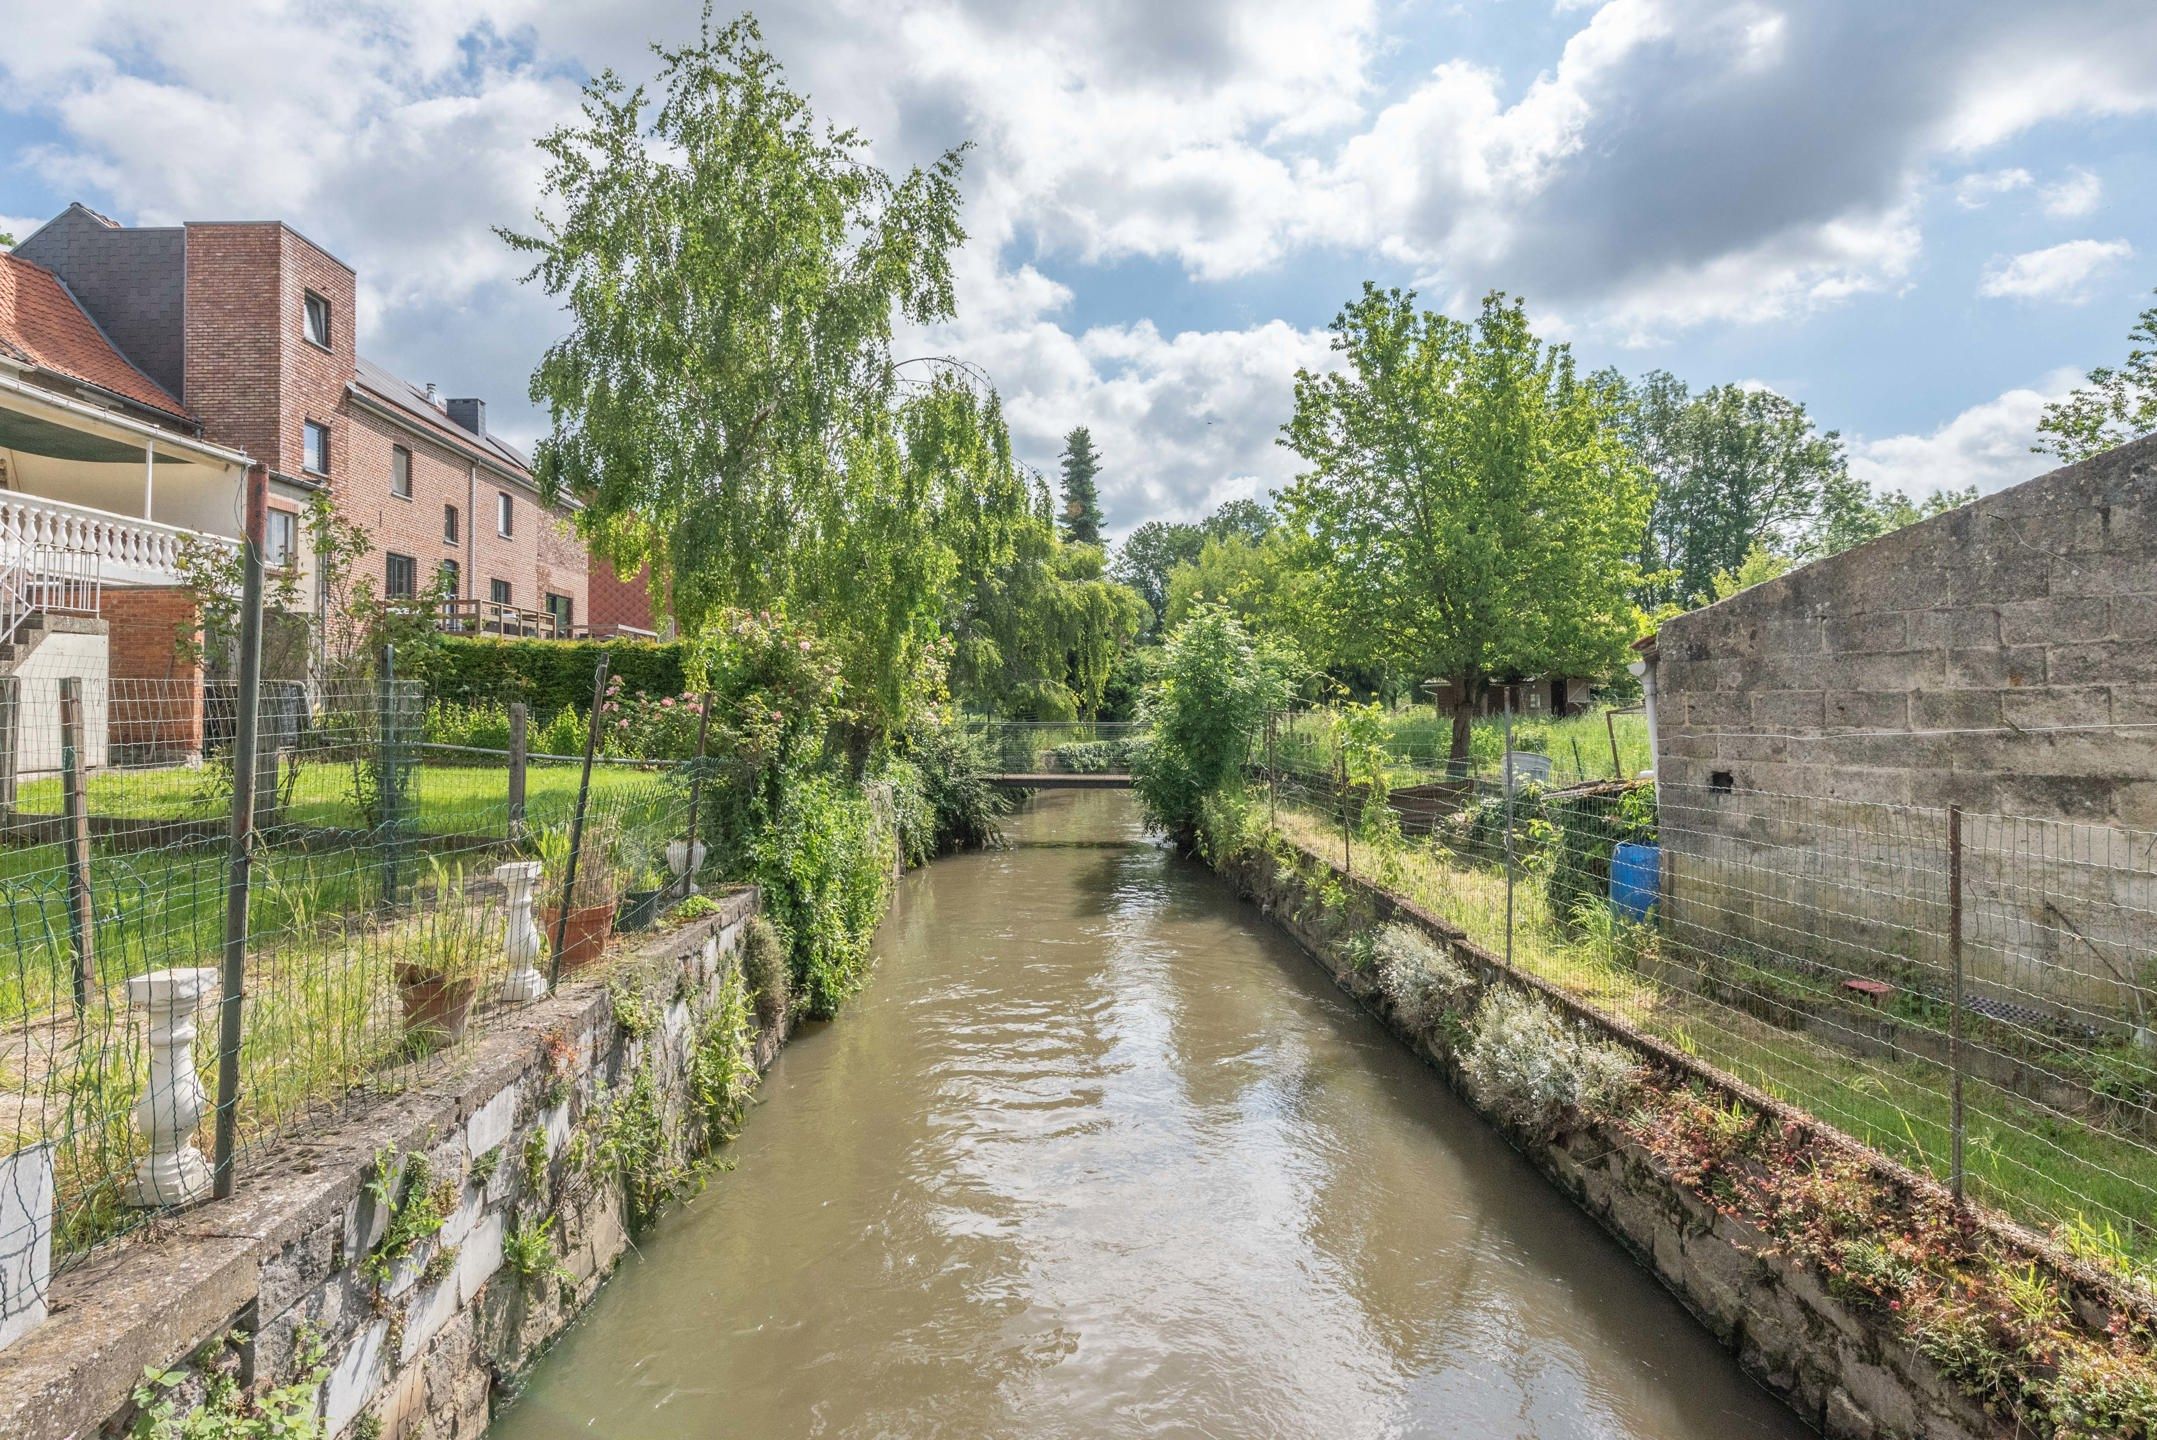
[(1812, 731), (282, 1264)]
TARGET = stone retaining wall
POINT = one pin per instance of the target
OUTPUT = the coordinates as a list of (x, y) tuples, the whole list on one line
[(1837, 1366), (509, 1135)]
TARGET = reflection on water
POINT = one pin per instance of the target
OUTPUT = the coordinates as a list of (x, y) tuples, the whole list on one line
[(1098, 1153)]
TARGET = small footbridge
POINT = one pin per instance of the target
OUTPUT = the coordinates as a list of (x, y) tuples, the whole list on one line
[(1059, 754)]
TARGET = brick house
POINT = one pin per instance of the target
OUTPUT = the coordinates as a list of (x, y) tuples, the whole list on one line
[(250, 325)]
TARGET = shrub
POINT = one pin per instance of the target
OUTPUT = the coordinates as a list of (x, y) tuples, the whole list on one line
[(1212, 695), (965, 807), (723, 1068), (1422, 982), (764, 971), (1530, 1068), (825, 876)]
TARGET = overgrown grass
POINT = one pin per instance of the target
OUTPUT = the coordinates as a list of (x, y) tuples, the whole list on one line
[(2050, 1171), (1420, 740)]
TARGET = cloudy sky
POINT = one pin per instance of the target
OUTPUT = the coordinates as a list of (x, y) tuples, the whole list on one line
[(1920, 217)]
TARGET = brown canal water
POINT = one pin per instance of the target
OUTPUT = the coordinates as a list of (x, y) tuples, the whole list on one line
[(1100, 1153)]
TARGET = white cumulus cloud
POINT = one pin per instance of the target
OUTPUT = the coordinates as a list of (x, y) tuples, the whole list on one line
[(2058, 272), (2074, 195), (1987, 445)]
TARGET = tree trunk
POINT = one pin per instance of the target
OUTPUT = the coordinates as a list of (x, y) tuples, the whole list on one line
[(1463, 726)]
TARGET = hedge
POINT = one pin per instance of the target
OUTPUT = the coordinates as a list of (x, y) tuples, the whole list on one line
[(552, 675)]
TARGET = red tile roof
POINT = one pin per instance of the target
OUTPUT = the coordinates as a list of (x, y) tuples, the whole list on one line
[(41, 324)]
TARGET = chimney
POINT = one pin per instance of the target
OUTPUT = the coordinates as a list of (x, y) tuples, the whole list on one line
[(471, 414), (434, 396)]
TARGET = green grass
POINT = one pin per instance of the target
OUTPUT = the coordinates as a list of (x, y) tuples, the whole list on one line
[(323, 1014), (1579, 746), (2045, 1169)]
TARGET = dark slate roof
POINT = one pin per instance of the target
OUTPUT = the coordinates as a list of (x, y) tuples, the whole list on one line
[(411, 401), (41, 325)]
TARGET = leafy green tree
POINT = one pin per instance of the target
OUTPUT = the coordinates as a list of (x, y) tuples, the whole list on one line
[(1473, 505), (2118, 404), (732, 270), (1150, 552), (1760, 566), (1733, 469), (1262, 582), (1081, 519), (1853, 514)]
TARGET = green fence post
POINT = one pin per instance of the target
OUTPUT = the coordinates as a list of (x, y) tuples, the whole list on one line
[(576, 821), (239, 866), (1509, 829), (75, 840), (387, 799), (1955, 1011)]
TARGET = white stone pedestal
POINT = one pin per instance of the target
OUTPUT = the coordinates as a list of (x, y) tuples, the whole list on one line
[(174, 1172), (520, 940)]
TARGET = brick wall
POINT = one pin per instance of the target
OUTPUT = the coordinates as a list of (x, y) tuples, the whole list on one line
[(1810, 732), (616, 601), (533, 558), (156, 695), (252, 376)]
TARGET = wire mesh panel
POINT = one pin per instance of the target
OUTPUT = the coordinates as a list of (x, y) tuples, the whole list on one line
[(384, 873), (1809, 945)]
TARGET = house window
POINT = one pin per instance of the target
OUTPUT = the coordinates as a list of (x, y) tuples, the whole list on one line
[(563, 610), (505, 514), (280, 540), (498, 591), (399, 576), (315, 447), (400, 472), (318, 320), (449, 524), (449, 578)]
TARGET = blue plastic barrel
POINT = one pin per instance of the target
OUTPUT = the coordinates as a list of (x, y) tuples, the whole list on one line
[(1635, 879)]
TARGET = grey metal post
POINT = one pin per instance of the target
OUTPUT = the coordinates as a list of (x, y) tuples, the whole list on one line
[(10, 744), (576, 821), (1273, 781), (239, 868), (75, 840), (386, 787), (1955, 1008), (1340, 790), (696, 793), (1508, 829), (517, 714)]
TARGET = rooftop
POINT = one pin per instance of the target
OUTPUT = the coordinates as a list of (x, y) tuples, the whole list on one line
[(44, 327)]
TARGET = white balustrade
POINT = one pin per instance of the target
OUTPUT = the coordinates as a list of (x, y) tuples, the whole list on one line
[(174, 1172), (129, 549), (520, 940)]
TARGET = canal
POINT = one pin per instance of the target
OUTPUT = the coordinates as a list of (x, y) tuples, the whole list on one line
[(1100, 1153)]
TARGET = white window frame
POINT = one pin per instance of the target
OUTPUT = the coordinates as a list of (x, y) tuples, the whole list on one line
[(308, 303)]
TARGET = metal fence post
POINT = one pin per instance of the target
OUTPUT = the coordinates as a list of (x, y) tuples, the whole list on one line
[(576, 821), (10, 743), (75, 838), (1955, 1008), (1340, 790), (1509, 829), (239, 867), (1273, 781), (387, 798), (696, 794), (517, 715)]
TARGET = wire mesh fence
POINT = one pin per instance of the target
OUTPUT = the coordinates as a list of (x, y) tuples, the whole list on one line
[(402, 896), (1967, 993)]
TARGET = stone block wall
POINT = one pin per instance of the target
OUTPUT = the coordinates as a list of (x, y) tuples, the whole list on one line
[(1812, 732), (510, 1134)]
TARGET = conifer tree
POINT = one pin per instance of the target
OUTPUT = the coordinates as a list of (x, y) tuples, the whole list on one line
[(1081, 518)]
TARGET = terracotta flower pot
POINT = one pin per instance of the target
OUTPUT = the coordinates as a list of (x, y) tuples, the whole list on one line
[(435, 1006), (585, 941)]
